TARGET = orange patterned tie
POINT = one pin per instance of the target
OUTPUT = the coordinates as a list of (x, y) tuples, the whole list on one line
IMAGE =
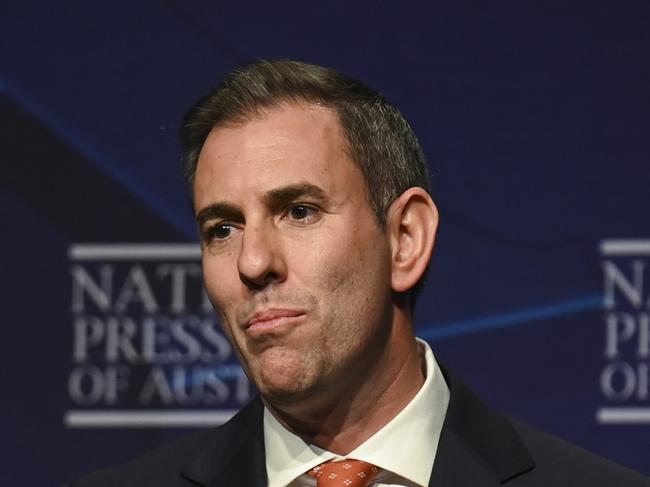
[(344, 473)]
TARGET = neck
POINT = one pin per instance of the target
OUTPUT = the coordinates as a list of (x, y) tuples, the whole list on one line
[(342, 422)]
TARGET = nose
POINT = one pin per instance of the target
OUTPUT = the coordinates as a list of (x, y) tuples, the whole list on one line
[(261, 260)]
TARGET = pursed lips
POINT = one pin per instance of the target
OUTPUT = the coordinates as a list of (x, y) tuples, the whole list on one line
[(269, 320)]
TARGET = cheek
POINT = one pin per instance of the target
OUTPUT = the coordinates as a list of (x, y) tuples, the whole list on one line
[(221, 288), (354, 278), (360, 260), (221, 283)]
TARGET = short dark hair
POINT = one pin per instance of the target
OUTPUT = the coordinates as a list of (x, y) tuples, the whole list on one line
[(378, 137)]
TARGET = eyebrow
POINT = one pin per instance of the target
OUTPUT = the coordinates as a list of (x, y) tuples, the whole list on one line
[(279, 197), (217, 211), (275, 198)]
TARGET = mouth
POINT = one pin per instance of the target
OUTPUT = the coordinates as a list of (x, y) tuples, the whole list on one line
[(272, 321)]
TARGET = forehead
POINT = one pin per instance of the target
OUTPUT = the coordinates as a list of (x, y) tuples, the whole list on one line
[(291, 143)]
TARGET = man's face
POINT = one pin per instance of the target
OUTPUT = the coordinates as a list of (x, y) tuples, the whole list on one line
[(293, 257)]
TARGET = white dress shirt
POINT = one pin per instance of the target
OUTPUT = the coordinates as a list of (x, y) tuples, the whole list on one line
[(404, 449)]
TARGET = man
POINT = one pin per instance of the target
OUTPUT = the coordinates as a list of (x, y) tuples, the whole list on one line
[(310, 193)]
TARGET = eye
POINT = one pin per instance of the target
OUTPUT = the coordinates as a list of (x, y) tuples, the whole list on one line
[(219, 231), (302, 213), (299, 212)]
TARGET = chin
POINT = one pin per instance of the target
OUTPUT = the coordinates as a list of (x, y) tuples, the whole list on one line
[(282, 396), (283, 393), (284, 381)]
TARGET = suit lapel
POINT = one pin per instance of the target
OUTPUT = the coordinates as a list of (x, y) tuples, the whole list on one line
[(232, 454), (458, 465), (478, 446)]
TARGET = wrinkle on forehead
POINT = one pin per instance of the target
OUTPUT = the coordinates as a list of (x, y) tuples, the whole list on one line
[(295, 138)]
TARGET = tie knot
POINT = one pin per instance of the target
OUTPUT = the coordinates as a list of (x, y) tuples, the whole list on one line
[(344, 473)]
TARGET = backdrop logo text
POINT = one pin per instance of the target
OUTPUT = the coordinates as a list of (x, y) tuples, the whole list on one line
[(147, 349), (624, 379)]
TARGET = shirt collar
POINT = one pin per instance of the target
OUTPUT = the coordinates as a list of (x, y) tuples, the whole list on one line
[(406, 445)]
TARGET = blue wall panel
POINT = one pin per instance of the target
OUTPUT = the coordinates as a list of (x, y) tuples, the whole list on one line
[(535, 120)]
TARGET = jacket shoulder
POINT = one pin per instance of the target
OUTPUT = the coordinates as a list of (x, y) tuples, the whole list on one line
[(478, 442), (191, 460), (160, 466), (558, 462)]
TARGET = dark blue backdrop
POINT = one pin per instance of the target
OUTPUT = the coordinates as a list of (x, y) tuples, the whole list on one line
[(535, 120)]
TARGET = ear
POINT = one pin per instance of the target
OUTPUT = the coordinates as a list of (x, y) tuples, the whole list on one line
[(411, 224)]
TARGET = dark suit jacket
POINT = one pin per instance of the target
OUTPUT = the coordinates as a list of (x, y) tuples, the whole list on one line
[(478, 447)]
